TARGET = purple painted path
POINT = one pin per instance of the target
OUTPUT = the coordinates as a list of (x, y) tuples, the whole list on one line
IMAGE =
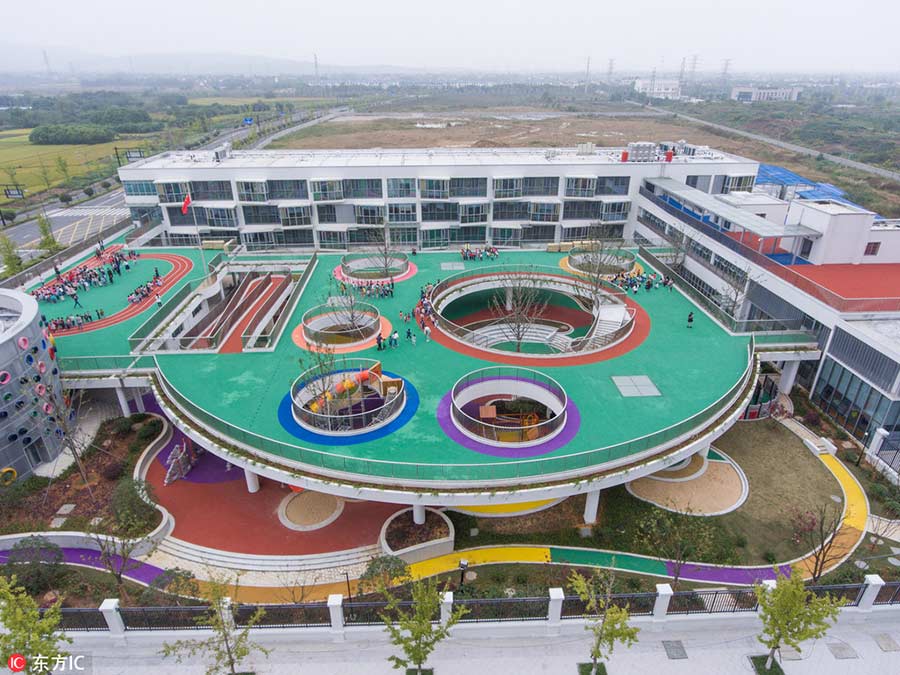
[(728, 575), (141, 572)]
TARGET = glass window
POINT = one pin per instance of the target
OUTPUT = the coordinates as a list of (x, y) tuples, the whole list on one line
[(504, 188), (365, 236), (139, 188), (434, 188), (362, 188), (404, 235), (327, 213), (176, 217), (616, 211), (613, 185), (327, 190), (472, 234), (438, 211), (872, 248), (738, 184), (211, 190), (401, 188), (221, 217), (539, 233), (435, 238), (146, 215), (541, 186), (261, 215), (333, 239), (172, 193), (288, 189), (468, 187), (252, 191), (582, 210), (369, 215), (291, 216), (402, 213), (511, 210), (295, 237), (541, 212), (581, 187), (504, 236), (473, 213)]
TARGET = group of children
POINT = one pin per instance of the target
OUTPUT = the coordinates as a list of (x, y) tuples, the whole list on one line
[(468, 253), (144, 291), (370, 289), (71, 321), (634, 282)]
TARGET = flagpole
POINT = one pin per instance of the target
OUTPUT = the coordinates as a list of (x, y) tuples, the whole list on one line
[(199, 240)]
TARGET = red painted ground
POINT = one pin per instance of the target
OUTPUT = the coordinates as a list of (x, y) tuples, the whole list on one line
[(180, 267), (232, 343), (574, 317), (227, 517), (855, 281), (638, 334), (770, 245)]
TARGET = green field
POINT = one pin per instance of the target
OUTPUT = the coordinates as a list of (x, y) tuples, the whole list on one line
[(16, 151)]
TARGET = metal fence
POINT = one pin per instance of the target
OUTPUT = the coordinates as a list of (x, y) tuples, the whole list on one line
[(505, 609), (638, 604), (81, 619), (889, 594), (303, 615), (849, 594), (713, 602), (370, 613), (164, 618)]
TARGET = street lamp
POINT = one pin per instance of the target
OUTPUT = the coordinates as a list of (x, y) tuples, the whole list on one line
[(863, 451), (463, 566), (347, 577)]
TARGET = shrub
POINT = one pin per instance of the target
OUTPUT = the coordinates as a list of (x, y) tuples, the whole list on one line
[(132, 506), (89, 191), (138, 417), (812, 419), (122, 426), (149, 431), (70, 134), (770, 557), (740, 541), (135, 447), (65, 198), (113, 470), (37, 564), (105, 184)]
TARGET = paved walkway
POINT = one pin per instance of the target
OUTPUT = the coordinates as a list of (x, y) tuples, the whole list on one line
[(510, 649)]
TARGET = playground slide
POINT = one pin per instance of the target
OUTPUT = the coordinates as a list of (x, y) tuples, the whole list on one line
[(231, 342), (246, 292)]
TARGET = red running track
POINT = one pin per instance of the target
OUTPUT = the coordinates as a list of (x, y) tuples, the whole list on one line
[(180, 267)]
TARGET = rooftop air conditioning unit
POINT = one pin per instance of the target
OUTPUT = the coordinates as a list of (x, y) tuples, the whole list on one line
[(642, 152), (584, 149)]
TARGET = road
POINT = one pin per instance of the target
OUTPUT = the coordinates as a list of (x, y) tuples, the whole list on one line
[(74, 224), (811, 152)]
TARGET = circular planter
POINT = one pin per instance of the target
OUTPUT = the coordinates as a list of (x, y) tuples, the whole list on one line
[(341, 324), (371, 266), (423, 551)]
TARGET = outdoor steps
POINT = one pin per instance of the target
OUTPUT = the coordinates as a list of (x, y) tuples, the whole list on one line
[(178, 548)]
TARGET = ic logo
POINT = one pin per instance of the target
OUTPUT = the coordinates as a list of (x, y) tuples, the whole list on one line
[(16, 663)]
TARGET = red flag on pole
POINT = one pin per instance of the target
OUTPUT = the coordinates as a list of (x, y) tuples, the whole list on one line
[(186, 204)]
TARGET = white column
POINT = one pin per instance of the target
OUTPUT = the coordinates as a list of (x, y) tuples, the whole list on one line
[(110, 610), (252, 481), (554, 616), (508, 299), (874, 584), (704, 453), (590, 507), (336, 612), (788, 377), (446, 606), (123, 402), (418, 514), (139, 401), (661, 604)]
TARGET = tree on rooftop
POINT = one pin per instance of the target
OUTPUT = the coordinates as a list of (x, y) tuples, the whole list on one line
[(519, 303)]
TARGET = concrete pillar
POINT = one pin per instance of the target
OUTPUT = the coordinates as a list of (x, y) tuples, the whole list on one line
[(123, 401), (874, 584), (139, 401), (227, 613), (877, 441), (336, 612), (590, 507), (661, 604), (769, 585), (704, 453), (418, 514), (109, 608), (252, 481), (788, 377), (508, 299), (554, 614), (446, 606)]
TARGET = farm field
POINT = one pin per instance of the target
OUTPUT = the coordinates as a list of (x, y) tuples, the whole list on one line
[(299, 102), (507, 129), (17, 151)]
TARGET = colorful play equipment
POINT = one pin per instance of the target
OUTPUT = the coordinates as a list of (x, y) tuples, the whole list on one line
[(8, 476), (23, 342), (183, 458), (355, 398), (5, 377)]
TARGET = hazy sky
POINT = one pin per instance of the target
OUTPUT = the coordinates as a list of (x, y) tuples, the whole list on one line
[(784, 35)]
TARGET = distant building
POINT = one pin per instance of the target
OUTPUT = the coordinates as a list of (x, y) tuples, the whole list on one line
[(764, 94), (668, 89)]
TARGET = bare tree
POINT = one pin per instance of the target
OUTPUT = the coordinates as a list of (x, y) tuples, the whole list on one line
[(519, 304), (319, 361), (816, 530), (383, 255), (599, 259), (295, 586)]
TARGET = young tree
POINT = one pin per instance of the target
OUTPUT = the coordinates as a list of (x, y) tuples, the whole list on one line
[(790, 614), (677, 537), (611, 623), (229, 645), (383, 255), (26, 631), (44, 174), (48, 239), (62, 165), (133, 510), (10, 256), (36, 562), (412, 630), (383, 571), (519, 303), (175, 584), (816, 531), (598, 259)]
